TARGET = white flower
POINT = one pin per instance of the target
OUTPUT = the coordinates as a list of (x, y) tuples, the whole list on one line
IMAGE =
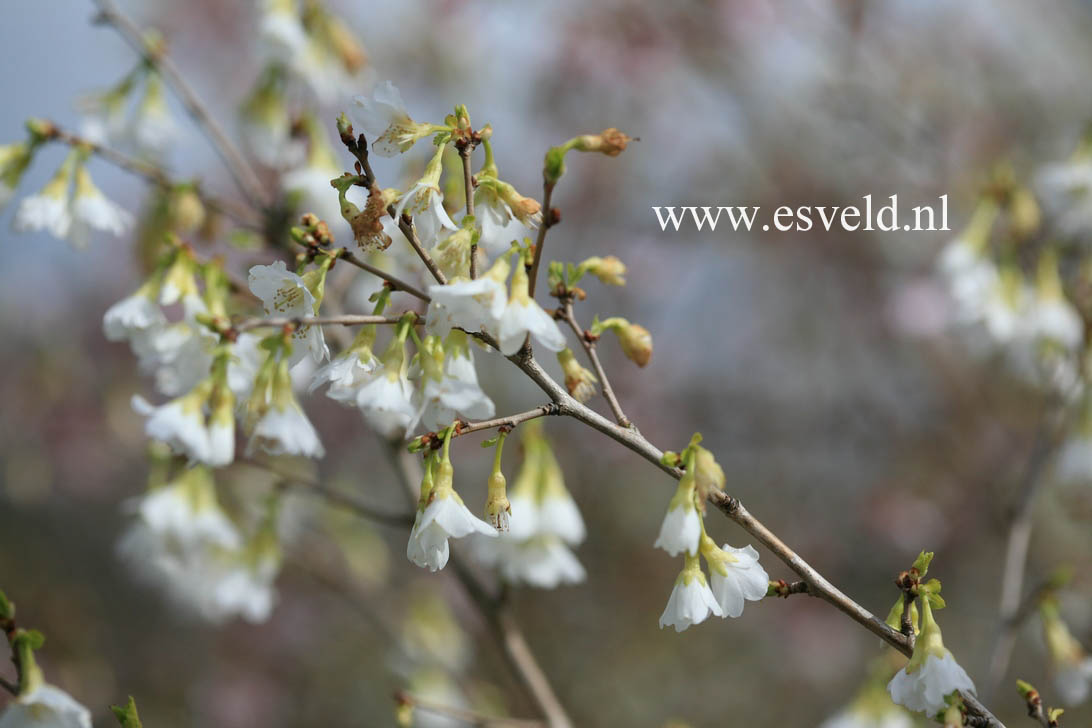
[(424, 202), (284, 293), (311, 183), (133, 315), (735, 575), (1070, 664), (456, 391), (932, 672), (345, 374), (387, 402), (49, 209), (178, 355), (444, 517), (180, 423), (45, 706), (1072, 681), (543, 561), (152, 128), (281, 30), (91, 210), (1056, 320), (14, 160), (1067, 190), (691, 600), (680, 531), (522, 316), (243, 588), (558, 514), (499, 226), (471, 305), (892, 717), (924, 689), (386, 122), (286, 431)]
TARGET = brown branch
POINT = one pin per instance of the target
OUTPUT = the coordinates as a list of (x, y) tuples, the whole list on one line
[(469, 717), (332, 496), (244, 176), (540, 241), (1016, 554), (396, 284), (358, 147), (493, 610), (298, 322), (463, 427), (465, 150), (733, 509), (151, 173), (589, 345)]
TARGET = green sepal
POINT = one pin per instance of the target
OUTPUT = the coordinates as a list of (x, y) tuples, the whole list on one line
[(127, 716), (491, 441), (7, 609)]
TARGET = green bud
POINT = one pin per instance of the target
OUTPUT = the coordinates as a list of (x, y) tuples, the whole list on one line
[(921, 563), (7, 609), (127, 716)]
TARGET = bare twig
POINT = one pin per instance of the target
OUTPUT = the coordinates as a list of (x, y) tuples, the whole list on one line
[(733, 508), (244, 176), (1016, 554), (540, 241), (10, 687), (494, 611), (469, 717), (396, 284), (465, 150), (152, 174), (462, 427), (332, 496), (299, 322), (589, 345)]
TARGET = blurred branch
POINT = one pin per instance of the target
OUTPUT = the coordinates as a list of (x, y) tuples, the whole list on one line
[(245, 177), (469, 717), (817, 585), (396, 283), (547, 222), (589, 345), (298, 322), (152, 173), (10, 687), (332, 496), (1016, 551), (503, 626)]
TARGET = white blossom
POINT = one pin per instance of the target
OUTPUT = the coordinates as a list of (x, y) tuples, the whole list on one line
[(152, 128), (443, 517), (91, 210), (932, 672), (454, 390), (522, 316), (48, 210), (45, 706), (283, 293), (133, 315), (735, 576), (471, 305), (386, 122), (691, 601), (180, 423), (680, 531)]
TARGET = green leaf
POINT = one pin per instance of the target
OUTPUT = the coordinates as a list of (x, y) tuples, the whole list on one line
[(935, 600), (921, 563), (1054, 714), (7, 609), (127, 716), (1024, 688)]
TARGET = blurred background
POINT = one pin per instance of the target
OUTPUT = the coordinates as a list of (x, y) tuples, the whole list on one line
[(819, 367)]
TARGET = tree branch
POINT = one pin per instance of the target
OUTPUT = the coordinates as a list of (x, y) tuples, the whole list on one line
[(593, 355), (244, 176), (547, 222), (151, 173), (298, 322)]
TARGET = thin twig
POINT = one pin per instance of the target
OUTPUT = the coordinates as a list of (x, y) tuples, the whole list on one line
[(301, 321), (1016, 555), (332, 496), (463, 427), (396, 284), (540, 241), (589, 345), (152, 174), (733, 508), (10, 687), (244, 176), (469, 717), (468, 184), (358, 147), (504, 627)]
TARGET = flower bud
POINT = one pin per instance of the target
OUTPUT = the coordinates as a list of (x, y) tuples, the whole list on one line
[(185, 210), (498, 509), (610, 142), (636, 341), (578, 380), (609, 270)]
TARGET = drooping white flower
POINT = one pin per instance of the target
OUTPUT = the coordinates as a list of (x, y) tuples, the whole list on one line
[(424, 202), (267, 127), (180, 423), (91, 210), (449, 384), (284, 293), (1070, 665), (542, 561), (1067, 191), (878, 713), (386, 122), (471, 305), (45, 706), (932, 673), (280, 30), (283, 429), (387, 399), (152, 128), (691, 601), (441, 516), (50, 208), (522, 316), (350, 370), (735, 576), (135, 314), (14, 160), (680, 531)]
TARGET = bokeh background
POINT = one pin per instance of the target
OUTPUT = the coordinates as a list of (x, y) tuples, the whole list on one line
[(818, 366)]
